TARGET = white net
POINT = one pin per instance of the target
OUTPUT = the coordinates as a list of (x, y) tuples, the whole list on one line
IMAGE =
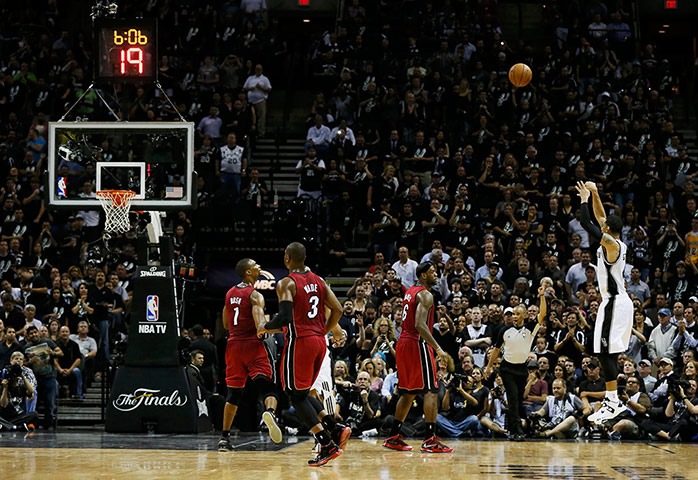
[(116, 204)]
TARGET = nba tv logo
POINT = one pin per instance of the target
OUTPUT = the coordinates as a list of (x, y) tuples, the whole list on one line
[(152, 312)]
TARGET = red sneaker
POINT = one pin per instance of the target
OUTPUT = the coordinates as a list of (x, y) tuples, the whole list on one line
[(327, 453), (396, 443), (341, 435), (434, 445)]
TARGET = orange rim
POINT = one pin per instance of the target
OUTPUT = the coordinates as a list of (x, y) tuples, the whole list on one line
[(119, 198)]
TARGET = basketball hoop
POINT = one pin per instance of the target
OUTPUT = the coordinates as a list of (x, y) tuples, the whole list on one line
[(116, 204)]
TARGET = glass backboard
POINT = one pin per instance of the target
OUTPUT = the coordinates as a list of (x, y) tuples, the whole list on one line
[(153, 159)]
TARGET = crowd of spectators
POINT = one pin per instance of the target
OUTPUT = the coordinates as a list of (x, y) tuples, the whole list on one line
[(64, 301), (419, 141), (421, 149)]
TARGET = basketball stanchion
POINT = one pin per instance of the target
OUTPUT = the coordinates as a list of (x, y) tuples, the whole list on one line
[(151, 391)]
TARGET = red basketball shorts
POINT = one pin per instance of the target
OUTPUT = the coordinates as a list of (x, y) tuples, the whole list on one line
[(416, 368), (247, 358), (301, 362)]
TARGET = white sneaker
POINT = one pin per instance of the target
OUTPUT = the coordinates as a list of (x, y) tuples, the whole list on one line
[(274, 430), (292, 431), (370, 433), (609, 410)]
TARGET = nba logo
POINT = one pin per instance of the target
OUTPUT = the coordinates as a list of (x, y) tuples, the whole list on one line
[(62, 187), (152, 311)]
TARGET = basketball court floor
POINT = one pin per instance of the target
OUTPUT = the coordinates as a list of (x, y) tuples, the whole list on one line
[(98, 455)]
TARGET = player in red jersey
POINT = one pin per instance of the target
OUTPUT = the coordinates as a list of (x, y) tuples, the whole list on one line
[(303, 298), (416, 369), (246, 356)]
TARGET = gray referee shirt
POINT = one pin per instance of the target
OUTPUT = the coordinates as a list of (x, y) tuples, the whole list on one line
[(516, 342)]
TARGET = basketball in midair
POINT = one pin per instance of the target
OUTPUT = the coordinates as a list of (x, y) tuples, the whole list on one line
[(520, 75)]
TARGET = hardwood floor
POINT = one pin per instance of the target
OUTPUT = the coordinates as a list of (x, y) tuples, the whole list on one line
[(363, 459)]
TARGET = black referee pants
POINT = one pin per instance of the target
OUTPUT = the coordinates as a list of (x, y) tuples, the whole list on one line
[(514, 377)]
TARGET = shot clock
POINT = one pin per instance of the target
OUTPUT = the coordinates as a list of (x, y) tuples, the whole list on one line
[(127, 50)]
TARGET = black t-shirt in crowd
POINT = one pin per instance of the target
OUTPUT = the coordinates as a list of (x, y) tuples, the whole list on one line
[(460, 409), (36, 299), (447, 341), (13, 318), (71, 352), (598, 385), (352, 408)]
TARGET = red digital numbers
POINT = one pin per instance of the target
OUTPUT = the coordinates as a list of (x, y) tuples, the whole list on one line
[(304, 3), (670, 4), (132, 57)]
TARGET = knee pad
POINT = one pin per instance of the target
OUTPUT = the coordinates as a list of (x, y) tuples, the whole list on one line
[(315, 403), (233, 396), (265, 387), (305, 410), (298, 396)]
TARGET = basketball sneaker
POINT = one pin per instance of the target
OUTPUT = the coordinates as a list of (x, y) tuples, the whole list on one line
[(397, 443), (340, 435), (610, 409), (274, 431), (434, 445), (224, 445), (327, 453)]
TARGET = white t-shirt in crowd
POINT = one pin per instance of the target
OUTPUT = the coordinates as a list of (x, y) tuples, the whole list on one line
[(256, 95)]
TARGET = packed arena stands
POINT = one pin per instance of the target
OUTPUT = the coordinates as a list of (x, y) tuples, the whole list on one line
[(418, 148)]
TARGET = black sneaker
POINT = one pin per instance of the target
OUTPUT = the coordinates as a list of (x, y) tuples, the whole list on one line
[(327, 453), (224, 445), (340, 435)]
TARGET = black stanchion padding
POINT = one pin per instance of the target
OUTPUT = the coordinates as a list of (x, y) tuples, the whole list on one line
[(153, 334), (160, 398), (151, 391)]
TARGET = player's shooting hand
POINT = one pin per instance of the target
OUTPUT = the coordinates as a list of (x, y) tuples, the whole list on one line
[(591, 186), (582, 191)]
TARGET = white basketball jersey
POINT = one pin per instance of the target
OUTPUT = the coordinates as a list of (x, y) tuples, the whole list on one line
[(610, 275)]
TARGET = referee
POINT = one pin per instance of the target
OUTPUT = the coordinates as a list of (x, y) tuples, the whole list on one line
[(516, 342)]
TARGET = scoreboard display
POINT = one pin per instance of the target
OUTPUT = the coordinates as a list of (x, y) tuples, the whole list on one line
[(127, 50)]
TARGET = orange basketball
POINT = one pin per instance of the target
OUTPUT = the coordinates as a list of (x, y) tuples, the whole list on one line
[(520, 75)]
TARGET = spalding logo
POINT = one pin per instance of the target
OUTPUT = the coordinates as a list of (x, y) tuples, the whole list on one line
[(153, 272)]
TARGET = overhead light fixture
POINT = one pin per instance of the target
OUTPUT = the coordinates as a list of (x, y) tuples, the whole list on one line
[(662, 31), (666, 26), (306, 20)]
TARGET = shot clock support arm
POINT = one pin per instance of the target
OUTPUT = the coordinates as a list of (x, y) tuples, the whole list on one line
[(99, 95), (162, 90)]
